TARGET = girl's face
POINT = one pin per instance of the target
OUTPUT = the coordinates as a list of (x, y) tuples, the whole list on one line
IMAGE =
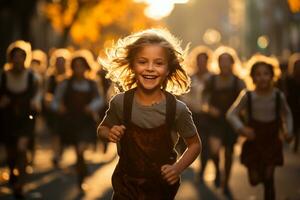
[(60, 65), (79, 68), (202, 62), (150, 66), (18, 60), (262, 77), (225, 64)]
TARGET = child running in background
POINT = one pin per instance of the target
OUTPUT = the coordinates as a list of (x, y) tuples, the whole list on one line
[(20, 100), (56, 74), (198, 64), (77, 98), (293, 95), (144, 120), (267, 114), (219, 92)]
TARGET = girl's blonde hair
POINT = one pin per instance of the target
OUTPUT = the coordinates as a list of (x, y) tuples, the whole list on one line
[(120, 59), (267, 60), (292, 60), (40, 56), (24, 46), (57, 53), (191, 62), (88, 57), (237, 68)]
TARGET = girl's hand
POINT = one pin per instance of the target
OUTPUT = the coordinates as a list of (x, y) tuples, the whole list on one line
[(170, 174), (288, 138), (116, 133), (214, 111), (248, 132)]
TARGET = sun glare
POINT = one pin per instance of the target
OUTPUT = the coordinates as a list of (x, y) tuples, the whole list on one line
[(158, 9)]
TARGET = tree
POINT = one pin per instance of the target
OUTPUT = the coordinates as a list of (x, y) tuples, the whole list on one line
[(91, 23)]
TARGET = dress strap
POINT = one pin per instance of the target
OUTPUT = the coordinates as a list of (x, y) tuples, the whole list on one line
[(127, 105), (249, 105), (170, 110)]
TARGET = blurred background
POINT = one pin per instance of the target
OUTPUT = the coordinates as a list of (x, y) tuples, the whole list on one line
[(269, 26)]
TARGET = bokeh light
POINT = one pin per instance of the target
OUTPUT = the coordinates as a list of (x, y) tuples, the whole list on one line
[(211, 36), (158, 9), (263, 41)]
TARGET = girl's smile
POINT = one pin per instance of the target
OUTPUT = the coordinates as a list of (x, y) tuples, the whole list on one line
[(151, 67)]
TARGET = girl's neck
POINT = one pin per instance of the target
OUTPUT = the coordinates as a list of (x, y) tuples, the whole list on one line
[(18, 71), (149, 98), (201, 74), (264, 91), (79, 78)]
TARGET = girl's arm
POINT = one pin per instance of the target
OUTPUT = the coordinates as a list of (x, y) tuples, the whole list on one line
[(171, 173), (59, 92), (287, 118), (233, 116), (36, 101), (111, 128), (97, 102), (185, 126), (234, 111)]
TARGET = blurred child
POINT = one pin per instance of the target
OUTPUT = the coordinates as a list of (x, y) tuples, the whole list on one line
[(220, 92), (267, 114), (293, 95), (39, 66), (198, 63), (56, 73), (39, 62), (144, 120), (78, 99), (20, 100)]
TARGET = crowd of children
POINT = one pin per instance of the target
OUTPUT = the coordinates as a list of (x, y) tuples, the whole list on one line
[(207, 99)]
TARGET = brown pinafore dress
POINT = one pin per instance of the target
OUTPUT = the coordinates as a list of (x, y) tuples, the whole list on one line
[(266, 148), (222, 99), (143, 152), (77, 124)]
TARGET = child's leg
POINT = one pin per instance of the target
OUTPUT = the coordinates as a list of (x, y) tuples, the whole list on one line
[(269, 188), (56, 145), (203, 158), (81, 165), (255, 177), (215, 147), (228, 163)]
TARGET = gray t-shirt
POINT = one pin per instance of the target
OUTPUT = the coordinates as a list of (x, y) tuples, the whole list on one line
[(263, 109), (150, 116)]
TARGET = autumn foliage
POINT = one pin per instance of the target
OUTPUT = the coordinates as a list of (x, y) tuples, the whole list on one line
[(97, 21)]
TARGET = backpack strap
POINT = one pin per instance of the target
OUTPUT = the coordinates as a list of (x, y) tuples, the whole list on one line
[(127, 105)]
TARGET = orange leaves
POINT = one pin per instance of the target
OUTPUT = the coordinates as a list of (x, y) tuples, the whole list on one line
[(294, 5), (92, 21)]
